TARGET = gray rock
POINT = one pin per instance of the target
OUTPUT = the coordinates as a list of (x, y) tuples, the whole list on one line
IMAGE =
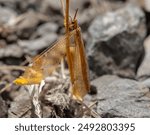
[(146, 83), (147, 5), (143, 3), (6, 15), (21, 106), (22, 5), (119, 97), (47, 28), (144, 69), (94, 8), (35, 45), (56, 5), (115, 41), (11, 51), (3, 108), (26, 23), (86, 17)]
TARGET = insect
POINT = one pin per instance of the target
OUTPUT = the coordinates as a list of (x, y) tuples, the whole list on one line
[(69, 46)]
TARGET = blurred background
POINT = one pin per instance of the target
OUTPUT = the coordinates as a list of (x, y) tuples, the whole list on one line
[(115, 32)]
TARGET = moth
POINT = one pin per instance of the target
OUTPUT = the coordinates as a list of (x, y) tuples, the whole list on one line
[(69, 46)]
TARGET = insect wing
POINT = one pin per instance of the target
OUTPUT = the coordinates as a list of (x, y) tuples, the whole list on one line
[(50, 59), (81, 84)]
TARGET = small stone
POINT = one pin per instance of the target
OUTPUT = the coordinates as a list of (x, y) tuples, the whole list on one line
[(47, 28), (3, 108), (11, 51), (21, 106), (54, 4), (143, 3), (119, 97), (26, 23), (115, 41), (144, 69), (6, 14), (35, 45)]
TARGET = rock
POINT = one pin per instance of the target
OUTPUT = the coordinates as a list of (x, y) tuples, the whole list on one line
[(21, 106), (115, 42), (47, 28), (143, 3), (93, 8), (86, 17), (50, 4), (55, 5), (31, 46), (11, 51), (80, 4), (12, 38), (119, 97), (146, 83), (144, 69), (147, 5), (2, 43), (3, 108), (24, 5), (26, 24), (6, 15), (8, 3)]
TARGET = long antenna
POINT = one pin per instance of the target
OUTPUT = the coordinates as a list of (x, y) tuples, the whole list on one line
[(75, 14), (63, 9), (67, 16)]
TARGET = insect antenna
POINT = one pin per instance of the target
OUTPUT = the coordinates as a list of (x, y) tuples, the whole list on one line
[(75, 14), (62, 6)]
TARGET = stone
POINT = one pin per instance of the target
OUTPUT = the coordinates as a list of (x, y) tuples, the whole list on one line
[(146, 82), (51, 4), (3, 108), (22, 6), (115, 42), (55, 5), (21, 106), (143, 3), (6, 14), (11, 51), (26, 23), (32, 46), (47, 28), (144, 69), (147, 5), (118, 97)]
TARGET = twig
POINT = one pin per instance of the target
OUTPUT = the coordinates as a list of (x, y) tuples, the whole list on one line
[(63, 69), (6, 87), (22, 68), (34, 91), (88, 108)]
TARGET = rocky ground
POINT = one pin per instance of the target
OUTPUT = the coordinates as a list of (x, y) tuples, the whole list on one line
[(117, 41)]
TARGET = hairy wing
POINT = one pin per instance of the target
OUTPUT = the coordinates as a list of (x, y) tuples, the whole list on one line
[(44, 64), (81, 84), (48, 61)]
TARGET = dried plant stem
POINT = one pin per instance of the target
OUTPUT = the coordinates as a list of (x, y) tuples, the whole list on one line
[(34, 91), (92, 112), (6, 87), (22, 68), (63, 69)]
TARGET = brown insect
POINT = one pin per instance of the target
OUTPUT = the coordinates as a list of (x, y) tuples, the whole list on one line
[(70, 46)]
